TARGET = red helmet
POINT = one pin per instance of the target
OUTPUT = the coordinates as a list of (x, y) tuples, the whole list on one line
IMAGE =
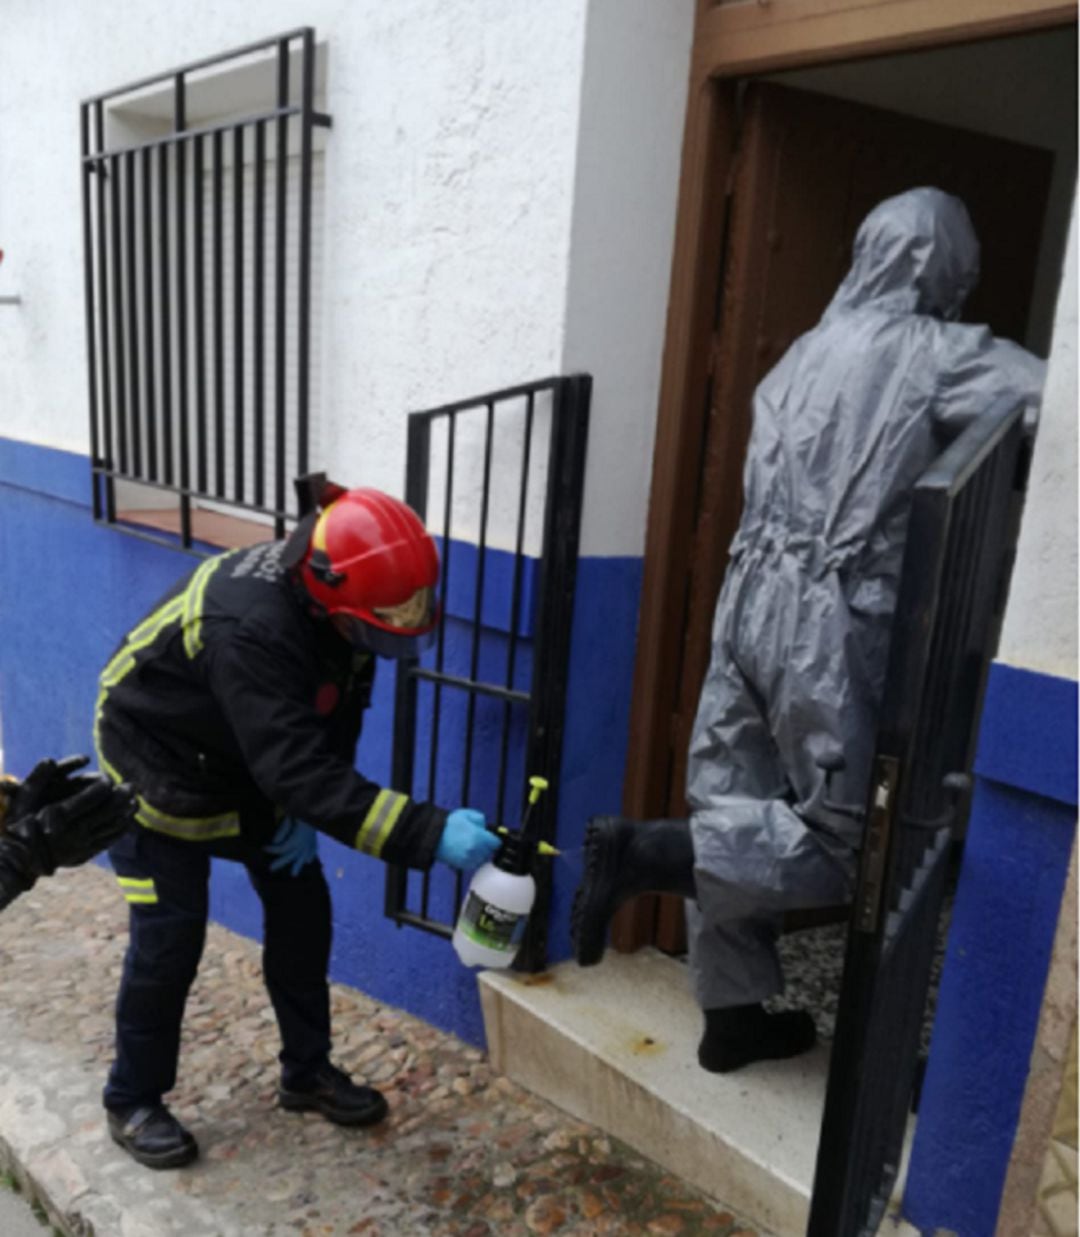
[(372, 566)]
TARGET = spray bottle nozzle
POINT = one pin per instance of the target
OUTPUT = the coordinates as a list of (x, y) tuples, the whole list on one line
[(518, 844), (542, 848)]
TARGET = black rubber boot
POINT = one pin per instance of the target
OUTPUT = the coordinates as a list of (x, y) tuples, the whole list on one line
[(333, 1093), (736, 1036), (153, 1136), (624, 858)]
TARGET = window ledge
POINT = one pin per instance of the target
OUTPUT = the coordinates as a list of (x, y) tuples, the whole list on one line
[(227, 532)]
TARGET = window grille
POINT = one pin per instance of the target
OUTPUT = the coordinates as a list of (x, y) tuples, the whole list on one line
[(200, 187)]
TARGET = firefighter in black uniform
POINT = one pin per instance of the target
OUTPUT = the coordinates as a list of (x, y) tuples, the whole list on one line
[(56, 818), (234, 709)]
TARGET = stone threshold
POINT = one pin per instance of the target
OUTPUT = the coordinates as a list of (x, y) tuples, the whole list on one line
[(615, 1045)]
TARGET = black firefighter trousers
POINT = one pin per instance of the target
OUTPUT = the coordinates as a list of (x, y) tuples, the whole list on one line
[(166, 883)]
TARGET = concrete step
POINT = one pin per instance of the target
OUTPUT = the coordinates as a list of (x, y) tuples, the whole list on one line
[(616, 1045)]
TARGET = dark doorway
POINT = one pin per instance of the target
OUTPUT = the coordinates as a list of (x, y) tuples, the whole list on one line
[(805, 169)]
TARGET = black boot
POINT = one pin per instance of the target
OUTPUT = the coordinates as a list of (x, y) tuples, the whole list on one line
[(624, 858), (743, 1033), (333, 1093), (153, 1136)]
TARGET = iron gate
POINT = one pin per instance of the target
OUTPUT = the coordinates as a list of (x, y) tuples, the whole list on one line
[(952, 592), (483, 710)]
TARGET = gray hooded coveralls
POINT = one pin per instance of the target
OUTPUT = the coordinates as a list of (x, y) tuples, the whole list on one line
[(843, 426)]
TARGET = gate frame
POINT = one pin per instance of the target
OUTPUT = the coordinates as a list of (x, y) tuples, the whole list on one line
[(945, 628), (546, 698)]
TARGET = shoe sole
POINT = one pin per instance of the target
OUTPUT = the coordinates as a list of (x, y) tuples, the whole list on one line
[(166, 1159), (588, 917), (339, 1116)]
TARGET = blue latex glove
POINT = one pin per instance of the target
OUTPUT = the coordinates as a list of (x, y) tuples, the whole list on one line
[(295, 845), (465, 842)]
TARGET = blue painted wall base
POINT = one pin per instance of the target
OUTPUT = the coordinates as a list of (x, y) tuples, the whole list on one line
[(70, 589), (1016, 857)]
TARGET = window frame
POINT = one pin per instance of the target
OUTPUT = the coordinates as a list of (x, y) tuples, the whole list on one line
[(158, 410)]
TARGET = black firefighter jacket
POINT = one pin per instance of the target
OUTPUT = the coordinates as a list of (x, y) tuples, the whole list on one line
[(230, 706)]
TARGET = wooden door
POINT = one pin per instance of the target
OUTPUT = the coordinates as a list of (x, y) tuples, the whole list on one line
[(807, 171)]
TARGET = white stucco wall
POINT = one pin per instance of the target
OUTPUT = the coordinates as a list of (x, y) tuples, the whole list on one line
[(501, 182), (1040, 631), (637, 67), (449, 171)]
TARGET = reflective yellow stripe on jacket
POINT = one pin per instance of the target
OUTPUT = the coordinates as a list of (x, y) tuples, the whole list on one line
[(188, 828), (378, 824), (187, 611), (194, 595)]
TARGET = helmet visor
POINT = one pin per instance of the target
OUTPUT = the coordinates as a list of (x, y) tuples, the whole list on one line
[(416, 614), (406, 630)]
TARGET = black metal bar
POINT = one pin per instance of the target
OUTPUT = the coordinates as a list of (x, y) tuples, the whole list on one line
[(303, 343), (182, 359), (160, 538), (105, 353), (149, 338), (318, 119), (279, 279), (515, 601), (189, 135), (119, 371), (198, 287), (478, 601), (165, 292), (555, 608), (268, 512), (409, 919), (218, 271), (425, 894), (133, 316), (207, 62), (471, 685), (440, 643), (258, 259), (238, 313), (498, 397), (89, 267), (417, 470)]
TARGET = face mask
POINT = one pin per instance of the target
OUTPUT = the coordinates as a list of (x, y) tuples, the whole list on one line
[(382, 643)]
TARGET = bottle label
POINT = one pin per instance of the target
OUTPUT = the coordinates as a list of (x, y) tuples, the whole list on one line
[(491, 926)]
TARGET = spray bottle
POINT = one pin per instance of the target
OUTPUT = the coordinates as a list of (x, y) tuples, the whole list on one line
[(496, 908)]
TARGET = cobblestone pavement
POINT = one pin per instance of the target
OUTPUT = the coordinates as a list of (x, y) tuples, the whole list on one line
[(465, 1153)]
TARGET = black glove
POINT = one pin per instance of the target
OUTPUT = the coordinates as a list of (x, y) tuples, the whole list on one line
[(67, 832), (47, 782)]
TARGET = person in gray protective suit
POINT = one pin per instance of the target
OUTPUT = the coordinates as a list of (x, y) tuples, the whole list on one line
[(843, 426)]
